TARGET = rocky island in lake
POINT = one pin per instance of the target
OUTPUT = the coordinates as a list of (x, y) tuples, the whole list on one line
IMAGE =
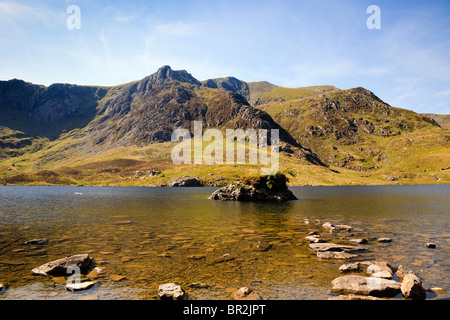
[(263, 188)]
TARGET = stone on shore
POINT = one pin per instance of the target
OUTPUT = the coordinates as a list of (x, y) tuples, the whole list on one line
[(185, 182), (245, 293), (430, 245), (2, 286), (171, 291), (384, 240), (412, 287), (368, 286), (59, 267)]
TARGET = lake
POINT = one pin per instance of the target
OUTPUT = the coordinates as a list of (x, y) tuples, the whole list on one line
[(151, 236)]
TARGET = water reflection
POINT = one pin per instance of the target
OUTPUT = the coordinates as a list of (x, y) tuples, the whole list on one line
[(157, 235)]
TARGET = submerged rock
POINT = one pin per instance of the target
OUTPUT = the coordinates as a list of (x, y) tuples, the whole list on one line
[(245, 293), (321, 247), (38, 242), (79, 286), (338, 255), (171, 291), (59, 267), (240, 192), (438, 290), (353, 297)]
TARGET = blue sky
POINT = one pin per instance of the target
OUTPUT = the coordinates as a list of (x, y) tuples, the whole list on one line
[(288, 43)]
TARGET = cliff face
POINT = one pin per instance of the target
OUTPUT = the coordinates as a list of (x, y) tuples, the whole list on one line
[(46, 111), (138, 113)]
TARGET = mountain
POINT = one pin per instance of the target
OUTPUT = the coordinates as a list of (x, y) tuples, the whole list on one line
[(70, 134), (350, 128), (441, 119)]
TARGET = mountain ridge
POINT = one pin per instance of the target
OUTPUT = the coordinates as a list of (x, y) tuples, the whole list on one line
[(65, 125)]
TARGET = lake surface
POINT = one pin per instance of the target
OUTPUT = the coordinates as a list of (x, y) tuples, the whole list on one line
[(158, 235)]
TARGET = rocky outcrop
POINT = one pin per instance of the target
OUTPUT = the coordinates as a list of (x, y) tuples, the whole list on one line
[(59, 267), (240, 192), (185, 182)]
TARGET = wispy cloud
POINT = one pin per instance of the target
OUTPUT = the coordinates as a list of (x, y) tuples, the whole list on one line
[(180, 29), (123, 16), (14, 13)]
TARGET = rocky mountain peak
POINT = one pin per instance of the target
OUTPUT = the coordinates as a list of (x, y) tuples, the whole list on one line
[(165, 74)]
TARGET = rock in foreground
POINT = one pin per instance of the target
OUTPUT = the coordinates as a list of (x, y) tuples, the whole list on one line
[(59, 267), (412, 287), (360, 285), (171, 291)]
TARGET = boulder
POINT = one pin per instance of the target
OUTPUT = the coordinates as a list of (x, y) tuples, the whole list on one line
[(380, 269), (401, 272), (245, 293), (2, 286), (384, 240), (171, 291), (59, 267), (430, 245), (412, 287), (240, 192), (185, 182), (359, 285)]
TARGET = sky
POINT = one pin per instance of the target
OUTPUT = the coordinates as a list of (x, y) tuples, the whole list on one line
[(406, 62)]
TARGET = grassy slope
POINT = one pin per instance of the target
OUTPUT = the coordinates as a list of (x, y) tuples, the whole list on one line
[(415, 158)]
